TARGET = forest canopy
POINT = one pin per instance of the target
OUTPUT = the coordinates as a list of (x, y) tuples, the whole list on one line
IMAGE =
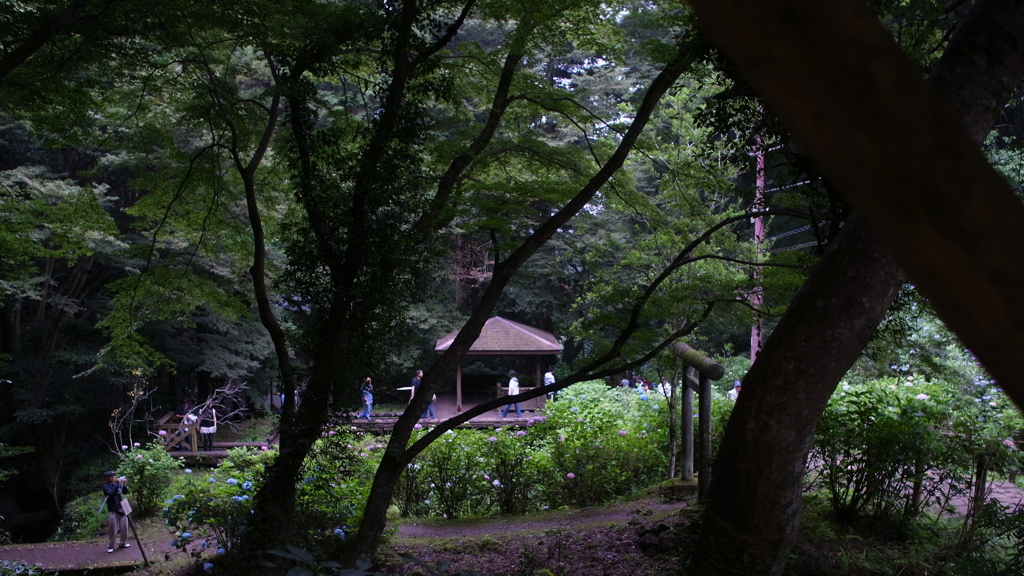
[(289, 196)]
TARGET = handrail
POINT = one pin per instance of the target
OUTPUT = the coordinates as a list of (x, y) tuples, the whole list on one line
[(174, 434)]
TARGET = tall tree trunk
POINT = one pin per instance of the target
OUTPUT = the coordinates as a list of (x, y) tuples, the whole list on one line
[(753, 516)]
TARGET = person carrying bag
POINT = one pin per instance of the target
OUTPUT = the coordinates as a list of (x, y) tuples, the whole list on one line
[(118, 509)]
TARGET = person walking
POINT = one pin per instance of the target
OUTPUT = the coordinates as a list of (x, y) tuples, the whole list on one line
[(367, 389), (513, 389), (549, 380), (416, 388), (117, 520)]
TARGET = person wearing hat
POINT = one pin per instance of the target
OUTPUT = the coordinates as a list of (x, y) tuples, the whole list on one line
[(117, 521), (735, 392)]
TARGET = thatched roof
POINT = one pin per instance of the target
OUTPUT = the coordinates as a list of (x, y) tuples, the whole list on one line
[(501, 336)]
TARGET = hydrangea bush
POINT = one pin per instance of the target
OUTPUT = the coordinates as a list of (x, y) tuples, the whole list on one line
[(515, 463), (210, 508), (451, 474), (606, 442), (150, 472), (888, 448)]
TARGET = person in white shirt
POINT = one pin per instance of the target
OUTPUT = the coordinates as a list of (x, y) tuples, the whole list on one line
[(513, 389), (735, 392), (549, 380)]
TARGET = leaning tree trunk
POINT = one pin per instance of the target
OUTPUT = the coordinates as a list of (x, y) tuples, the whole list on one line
[(753, 516)]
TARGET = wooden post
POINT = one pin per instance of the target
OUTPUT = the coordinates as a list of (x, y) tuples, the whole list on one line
[(458, 388), (704, 476), (686, 428), (707, 370), (700, 362), (673, 427)]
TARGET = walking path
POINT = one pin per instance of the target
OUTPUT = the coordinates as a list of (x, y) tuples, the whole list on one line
[(81, 555)]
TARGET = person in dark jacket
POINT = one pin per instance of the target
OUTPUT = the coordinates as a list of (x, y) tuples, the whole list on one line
[(117, 520), (208, 426)]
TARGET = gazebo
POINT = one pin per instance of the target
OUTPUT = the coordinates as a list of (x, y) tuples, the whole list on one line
[(503, 337)]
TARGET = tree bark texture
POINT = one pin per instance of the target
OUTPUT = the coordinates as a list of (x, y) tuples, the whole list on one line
[(753, 516)]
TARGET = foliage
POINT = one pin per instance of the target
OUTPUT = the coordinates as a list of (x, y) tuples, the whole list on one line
[(452, 470), (82, 519), (515, 468), (333, 486), (149, 472), (213, 507), (990, 543), (886, 449), (6, 451), (19, 568), (606, 442)]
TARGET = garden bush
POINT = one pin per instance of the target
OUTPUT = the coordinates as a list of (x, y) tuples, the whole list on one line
[(606, 442), (150, 472), (452, 470), (885, 449), (515, 464), (212, 507)]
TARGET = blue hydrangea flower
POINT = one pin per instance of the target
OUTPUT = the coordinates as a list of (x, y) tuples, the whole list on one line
[(246, 485), (186, 535), (188, 470), (643, 396), (232, 481), (212, 479), (178, 497), (339, 533), (221, 551), (208, 566), (236, 498)]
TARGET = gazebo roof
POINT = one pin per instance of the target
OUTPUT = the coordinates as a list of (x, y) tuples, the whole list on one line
[(502, 336)]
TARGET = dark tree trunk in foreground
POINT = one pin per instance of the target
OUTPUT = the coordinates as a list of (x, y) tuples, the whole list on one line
[(753, 516)]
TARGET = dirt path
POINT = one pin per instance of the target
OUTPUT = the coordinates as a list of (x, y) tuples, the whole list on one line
[(639, 538), (614, 514)]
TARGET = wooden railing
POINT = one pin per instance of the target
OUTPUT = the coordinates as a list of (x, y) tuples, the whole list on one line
[(173, 434)]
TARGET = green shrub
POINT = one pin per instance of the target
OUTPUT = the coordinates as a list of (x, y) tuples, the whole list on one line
[(332, 491), (149, 472), (513, 463), (330, 495), (606, 442), (82, 518), (453, 470), (887, 448)]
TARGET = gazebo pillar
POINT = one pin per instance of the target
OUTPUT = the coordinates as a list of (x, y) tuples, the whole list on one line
[(458, 387)]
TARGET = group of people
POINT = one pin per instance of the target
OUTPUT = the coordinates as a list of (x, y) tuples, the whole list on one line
[(513, 389), (429, 413), (206, 418)]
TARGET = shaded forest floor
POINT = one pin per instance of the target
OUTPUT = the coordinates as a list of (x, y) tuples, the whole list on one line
[(645, 536), (639, 538)]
